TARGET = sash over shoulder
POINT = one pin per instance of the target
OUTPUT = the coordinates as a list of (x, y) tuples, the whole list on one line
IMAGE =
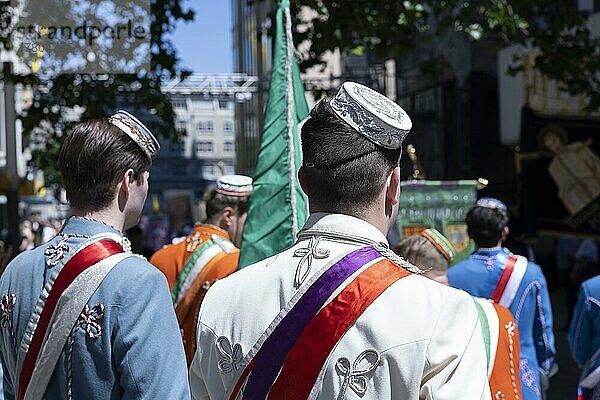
[(60, 303), (288, 359)]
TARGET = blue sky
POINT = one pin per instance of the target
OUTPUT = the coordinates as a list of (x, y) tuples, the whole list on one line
[(204, 45)]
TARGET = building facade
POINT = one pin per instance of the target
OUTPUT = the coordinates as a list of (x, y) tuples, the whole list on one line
[(204, 108), (252, 53)]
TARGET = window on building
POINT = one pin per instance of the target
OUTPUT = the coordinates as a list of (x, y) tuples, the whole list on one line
[(228, 126), (203, 148), (228, 147), (181, 125), (229, 170), (205, 126), (225, 105), (180, 104), (208, 171)]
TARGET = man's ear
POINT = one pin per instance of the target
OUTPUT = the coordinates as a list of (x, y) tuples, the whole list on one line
[(127, 182), (124, 187), (226, 216), (302, 180), (392, 192), (505, 233)]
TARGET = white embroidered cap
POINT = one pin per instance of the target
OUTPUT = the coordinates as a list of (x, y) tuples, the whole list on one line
[(137, 131), (490, 202), (372, 114), (235, 185)]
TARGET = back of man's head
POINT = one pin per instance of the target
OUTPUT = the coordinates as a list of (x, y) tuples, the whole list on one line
[(344, 172), (419, 251), (485, 225), (93, 159), (217, 202)]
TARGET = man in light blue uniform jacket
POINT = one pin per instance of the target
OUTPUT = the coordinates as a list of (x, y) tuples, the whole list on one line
[(480, 274), (125, 341), (584, 334)]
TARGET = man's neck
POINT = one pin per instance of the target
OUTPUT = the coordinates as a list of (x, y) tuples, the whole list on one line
[(496, 247), (371, 217), (104, 216)]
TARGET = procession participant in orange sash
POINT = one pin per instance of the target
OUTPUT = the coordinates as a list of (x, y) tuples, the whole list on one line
[(207, 254)]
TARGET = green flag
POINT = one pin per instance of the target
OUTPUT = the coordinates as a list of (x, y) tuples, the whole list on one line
[(278, 207)]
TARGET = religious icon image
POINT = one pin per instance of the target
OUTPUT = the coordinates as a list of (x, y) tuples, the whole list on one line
[(575, 168), (457, 235)]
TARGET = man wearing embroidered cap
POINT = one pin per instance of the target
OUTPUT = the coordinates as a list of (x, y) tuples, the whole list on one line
[(338, 315), (79, 313), (493, 272), (207, 254), (432, 252)]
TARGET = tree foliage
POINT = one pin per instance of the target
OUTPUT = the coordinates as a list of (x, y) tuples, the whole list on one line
[(568, 52), (54, 101)]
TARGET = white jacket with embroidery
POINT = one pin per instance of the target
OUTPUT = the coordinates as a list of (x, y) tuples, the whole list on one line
[(427, 335)]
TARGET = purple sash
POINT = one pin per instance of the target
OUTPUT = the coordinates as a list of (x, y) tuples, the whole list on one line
[(269, 359)]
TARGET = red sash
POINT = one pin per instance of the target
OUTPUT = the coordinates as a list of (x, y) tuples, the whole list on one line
[(82, 260), (306, 359), (318, 339), (504, 278)]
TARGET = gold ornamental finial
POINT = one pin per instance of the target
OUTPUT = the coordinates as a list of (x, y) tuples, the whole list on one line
[(418, 172)]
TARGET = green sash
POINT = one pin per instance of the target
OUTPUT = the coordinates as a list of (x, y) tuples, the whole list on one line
[(485, 329)]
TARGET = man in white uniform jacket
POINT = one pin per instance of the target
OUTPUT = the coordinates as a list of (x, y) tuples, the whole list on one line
[(338, 315)]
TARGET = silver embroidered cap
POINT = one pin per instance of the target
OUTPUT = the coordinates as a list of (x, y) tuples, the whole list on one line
[(372, 114), (137, 131)]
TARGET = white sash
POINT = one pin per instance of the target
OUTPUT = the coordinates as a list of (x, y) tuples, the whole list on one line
[(200, 263), (66, 313), (514, 282)]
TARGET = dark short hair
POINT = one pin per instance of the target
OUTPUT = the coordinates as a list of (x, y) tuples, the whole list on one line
[(216, 203), (419, 251), (344, 172), (485, 225), (92, 161)]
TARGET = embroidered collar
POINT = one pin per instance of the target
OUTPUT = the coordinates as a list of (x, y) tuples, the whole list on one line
[(87, 226), (95, 220), (347, 229), (203, 232), (489, 249), (342, 224), (488, 255), (209, 229)]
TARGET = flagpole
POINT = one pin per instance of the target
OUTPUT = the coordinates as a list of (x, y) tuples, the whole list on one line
[(290, 118)]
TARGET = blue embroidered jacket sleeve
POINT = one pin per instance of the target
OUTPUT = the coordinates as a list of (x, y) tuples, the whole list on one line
[(148, 349), (542, 326), (580, 337), (7, 387)]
